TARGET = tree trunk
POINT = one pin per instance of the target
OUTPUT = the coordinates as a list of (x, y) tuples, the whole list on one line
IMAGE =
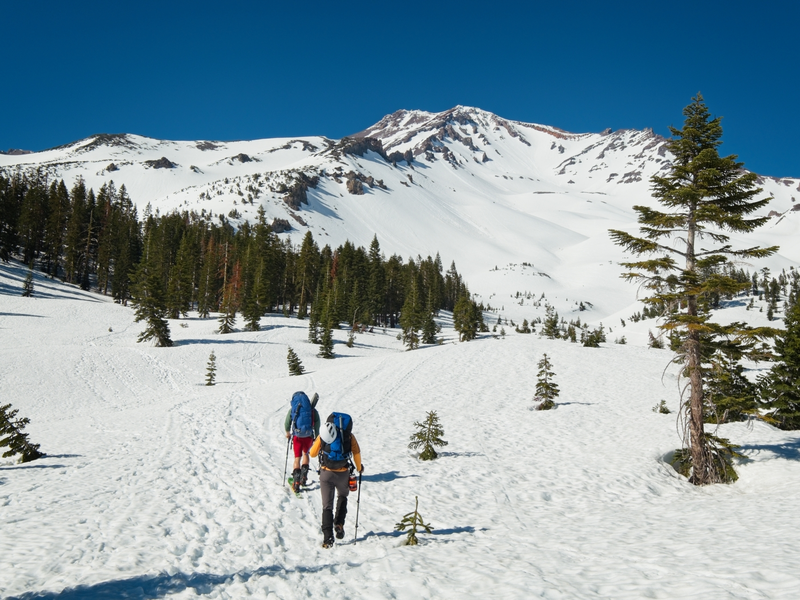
[(701, 463), (702, 466)]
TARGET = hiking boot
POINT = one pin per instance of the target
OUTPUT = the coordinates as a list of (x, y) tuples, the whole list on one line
[(296, 480), (304, 475), (327, 528), (339, 529)]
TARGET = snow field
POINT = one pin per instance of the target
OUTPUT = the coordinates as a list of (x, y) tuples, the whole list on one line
[(157, 485)]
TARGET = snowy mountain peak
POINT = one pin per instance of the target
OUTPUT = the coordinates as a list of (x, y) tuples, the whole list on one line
[(521, 207)]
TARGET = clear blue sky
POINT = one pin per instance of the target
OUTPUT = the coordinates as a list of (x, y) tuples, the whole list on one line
[(246, 70)]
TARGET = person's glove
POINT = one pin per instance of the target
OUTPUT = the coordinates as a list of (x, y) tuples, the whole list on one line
[(361, 470)]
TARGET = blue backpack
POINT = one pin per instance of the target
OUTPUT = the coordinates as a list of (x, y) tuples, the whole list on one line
[(302, 416), (336, 455)]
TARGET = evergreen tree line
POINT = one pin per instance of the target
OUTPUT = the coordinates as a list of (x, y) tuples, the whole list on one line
[(771, 290), (76, 235), (174, 263)]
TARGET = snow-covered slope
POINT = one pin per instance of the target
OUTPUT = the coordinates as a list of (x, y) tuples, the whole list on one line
[(158, 486), (519, 207)]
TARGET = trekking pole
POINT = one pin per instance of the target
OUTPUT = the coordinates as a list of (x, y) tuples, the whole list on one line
[(286, 462), (358, 505)]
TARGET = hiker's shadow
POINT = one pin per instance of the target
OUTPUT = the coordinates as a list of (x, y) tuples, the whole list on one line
[(163, 584), (385, 477)]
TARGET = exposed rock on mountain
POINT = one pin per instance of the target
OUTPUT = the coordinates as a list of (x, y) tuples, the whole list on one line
[(161, 163)]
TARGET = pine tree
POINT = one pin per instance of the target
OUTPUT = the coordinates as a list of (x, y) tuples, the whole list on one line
[(127, 247), (546, 389), (181, 280), (27, 285), (313, 323), (411, 319), (412, 521), (230, 300), (308, 264), (467, 318), (252, 309), (326, 343), (295, 366), (550, 328), (148, 297), (654, 342), (376, 287), (227, 321), (593, 338), (11, 436), (781, 383), (704, 195), (211, 369), (33, 218), (58, 211), (429, 435), (73, 241), (429, 327), (729, 395)]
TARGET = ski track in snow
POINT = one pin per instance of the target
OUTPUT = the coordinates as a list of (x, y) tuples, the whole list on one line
[(157, 485)]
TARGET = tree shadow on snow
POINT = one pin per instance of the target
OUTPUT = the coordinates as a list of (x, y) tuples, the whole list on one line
[(397, 534), (789, 450), (458, 454), (159, 586), (30, 466), (215, 341), (5, 314), (385, 477)]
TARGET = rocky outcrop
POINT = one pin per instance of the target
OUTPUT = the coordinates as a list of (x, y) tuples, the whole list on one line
[(161, 163), (297, 192), (107, 139), (395, 157), (280, 225), (354, 185), (355, 182), (307, 146)]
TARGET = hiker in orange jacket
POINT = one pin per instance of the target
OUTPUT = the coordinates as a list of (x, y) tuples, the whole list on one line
[(334, 476)]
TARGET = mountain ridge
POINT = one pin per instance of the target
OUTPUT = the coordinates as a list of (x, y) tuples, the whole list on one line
[(483, 191)]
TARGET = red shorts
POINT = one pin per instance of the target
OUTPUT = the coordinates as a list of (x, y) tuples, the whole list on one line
[(302, 445)]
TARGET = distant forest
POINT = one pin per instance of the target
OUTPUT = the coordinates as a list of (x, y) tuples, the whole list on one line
[(183, 261)]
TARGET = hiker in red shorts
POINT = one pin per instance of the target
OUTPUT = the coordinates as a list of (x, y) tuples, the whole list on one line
[(302, 421)]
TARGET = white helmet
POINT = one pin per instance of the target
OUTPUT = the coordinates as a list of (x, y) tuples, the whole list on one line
[(328, 432)]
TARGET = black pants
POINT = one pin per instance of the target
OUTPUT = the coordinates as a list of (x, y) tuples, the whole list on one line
[(334, 483)]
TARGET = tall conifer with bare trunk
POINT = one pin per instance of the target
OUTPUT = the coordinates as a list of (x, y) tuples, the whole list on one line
[(704, 196)]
